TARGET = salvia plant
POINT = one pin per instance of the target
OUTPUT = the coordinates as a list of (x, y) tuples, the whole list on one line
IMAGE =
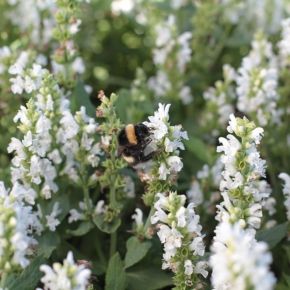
[(144, 144)]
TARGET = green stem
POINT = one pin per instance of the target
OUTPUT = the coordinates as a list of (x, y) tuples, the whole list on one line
[(87, 196), (3, 280), (148, 221), (113, 243), (113, 201), (100, 253), (85, 188)]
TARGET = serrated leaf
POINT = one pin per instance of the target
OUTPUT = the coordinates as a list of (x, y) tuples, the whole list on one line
[(136, 251), (198, 148), (47, 243), (81, 98), (104, 226), (82, 229), (115, 277), (273, 235), (148, 278), (29, 278)]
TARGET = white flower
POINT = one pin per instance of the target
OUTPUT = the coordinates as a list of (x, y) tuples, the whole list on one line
[(78, 65), (255, 215), (174, 141), (193, 224), (185, 95), (74, 216), (239, 261), (122, 6), (163, 171), (75, 26), (197, 246), (159, 215), (18, 224), (170, 237), (70, 125), (175, 163), (129, 187), (188, 267), (184, 53), (176, 4), (138, 217), (195, 194), (17, 86), (283, 44), (100, 207), (158, 122), (160, 84), (55, 156), (286, 191), (69, 276), (164, 31), (181, 217), (51, 220), (201, 268)]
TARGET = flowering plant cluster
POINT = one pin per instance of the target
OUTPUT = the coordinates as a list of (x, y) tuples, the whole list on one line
[(180, 232), (144, 144), (243, 191)]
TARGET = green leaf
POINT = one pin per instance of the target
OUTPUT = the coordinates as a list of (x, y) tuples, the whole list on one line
[(81, 98), (82, 229), (136, 251), (148, 278), (47, 243), (29, 278), (284, 283), (115, 277), (198, 148), (273, 235), (104, 226)]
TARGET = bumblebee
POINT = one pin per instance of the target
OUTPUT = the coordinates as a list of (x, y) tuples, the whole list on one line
[(133, 140)]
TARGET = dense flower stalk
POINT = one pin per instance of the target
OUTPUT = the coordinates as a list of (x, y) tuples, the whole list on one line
[(167, 141), (18, 224), (283, 44), (180, 233), (257, 83), (171, 56), (262, 15), (243, 191), (110, 178), (34, 18), (55, 142), (36, 155), (67, 63), (286, 191), (219, 102)]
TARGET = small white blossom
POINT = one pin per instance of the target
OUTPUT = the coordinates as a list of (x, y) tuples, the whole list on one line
[(138, 218), (68, 275), (51, 220), (286, 191)]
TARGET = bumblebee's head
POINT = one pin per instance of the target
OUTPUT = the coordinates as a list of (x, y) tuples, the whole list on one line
[(142, 131)]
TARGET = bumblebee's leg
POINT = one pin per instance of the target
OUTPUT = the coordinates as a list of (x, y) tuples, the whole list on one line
[(144, 158)]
